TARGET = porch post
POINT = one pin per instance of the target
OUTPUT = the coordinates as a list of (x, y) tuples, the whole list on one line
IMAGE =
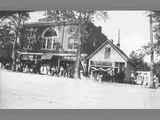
[(89, 67), (59, 63), (113, 71), (91, 75)]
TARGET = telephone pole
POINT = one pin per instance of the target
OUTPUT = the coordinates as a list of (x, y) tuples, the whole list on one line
[(151, 39), (78, 56), (118, 44), (152, 51)]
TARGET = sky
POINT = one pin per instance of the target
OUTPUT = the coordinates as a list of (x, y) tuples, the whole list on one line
[(133, 26)]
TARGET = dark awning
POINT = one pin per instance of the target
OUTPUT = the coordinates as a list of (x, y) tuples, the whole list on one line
[(29, 53)]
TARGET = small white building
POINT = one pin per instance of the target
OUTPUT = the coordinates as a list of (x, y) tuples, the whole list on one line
[(110, 59)]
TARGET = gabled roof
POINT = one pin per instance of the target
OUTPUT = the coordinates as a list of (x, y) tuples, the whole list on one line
[(118, 50)]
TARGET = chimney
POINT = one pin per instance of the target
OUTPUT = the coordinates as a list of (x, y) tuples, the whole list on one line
[(118, 44)]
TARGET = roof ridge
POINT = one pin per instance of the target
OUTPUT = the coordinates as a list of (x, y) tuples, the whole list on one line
[(120, 52)]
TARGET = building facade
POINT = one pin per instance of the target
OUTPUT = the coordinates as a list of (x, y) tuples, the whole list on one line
[(49, 43), (109, 60)]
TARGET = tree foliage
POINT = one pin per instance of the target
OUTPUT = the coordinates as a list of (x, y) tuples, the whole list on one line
[(12, 21), (29, 39), (6, 37), (155, 16), (94, 38), (137, 59), (91, 36), (74, 15)]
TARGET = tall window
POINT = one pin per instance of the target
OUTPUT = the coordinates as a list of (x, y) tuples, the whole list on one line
[(71, 43), (107, 52), (29, 40), (49, 44), (44, 41), (50, 39)]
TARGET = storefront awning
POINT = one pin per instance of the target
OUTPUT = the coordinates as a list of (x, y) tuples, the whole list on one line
[(49, 56), (29, 53)]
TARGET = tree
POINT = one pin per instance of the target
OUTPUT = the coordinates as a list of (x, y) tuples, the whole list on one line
[(14, 20), (6, 37), (79, 16), (153, 46), (29, 39), (137, 59), (93, 39)]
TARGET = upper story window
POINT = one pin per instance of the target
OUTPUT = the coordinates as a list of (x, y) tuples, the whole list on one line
[(30, 37), (71, 43), (50, 39), (107, 52)]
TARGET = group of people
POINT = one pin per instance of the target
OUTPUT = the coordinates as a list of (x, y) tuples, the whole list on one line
[(5, 65), (42, 68), (143, 80), (109, 76), (55, 70)]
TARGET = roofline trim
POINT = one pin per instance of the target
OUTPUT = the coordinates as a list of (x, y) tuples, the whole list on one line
[(125, 57)]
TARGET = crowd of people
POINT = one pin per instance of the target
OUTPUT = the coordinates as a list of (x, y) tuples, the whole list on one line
[(56, 71), (5, 65), (109, 76), (41, 68), (137, 78), (67, 71)]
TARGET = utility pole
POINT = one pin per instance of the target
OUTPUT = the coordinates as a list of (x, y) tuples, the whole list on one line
[(13, 54), (14, 50), (78, 56), (151, 38), (152, 51), (118, 44), (78, 53)]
